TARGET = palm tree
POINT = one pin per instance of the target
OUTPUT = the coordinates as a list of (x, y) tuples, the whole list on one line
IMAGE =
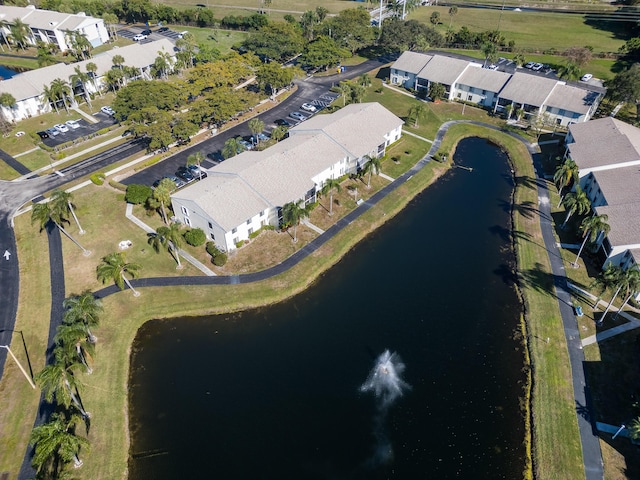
[(162, 194), (256, 126), (278, 133), (114, 267), (453, 11), (45, 56), (576, 201), (63, 202), (373, 164), (292, 214), (8, 101), (232, 147), (85, 309), (565, 174), (416, 112), (117, 61), (344, 89), (20, 32), (634, 429), (43, 213), (56, 445), (329, 185), (630, 285), (92, 68), (169, 237), (62, 91), (58, 382), (490, 52), (364, 80), (4, 26), (611, 276), (196, 159), (114, 78), (73, 338), (591, 228), (50, 96), (80, 77)]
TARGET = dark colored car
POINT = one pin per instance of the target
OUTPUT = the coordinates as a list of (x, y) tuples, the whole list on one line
[(163, 29), (146, 32), (185, 174), (215, 156), (43, 134), (281, 122)]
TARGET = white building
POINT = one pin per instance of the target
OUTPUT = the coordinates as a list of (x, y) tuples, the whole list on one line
[(50, 26), (466, 80), (27, 88), (246, 192), (607, 152)]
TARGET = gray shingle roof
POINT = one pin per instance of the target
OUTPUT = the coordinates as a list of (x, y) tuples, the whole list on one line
[(572, 98), (443, 70), (411, 62), (605, 141), (620, 185), (529, 89), (45, 19), (484, 79), (30, 84), (624, 222)]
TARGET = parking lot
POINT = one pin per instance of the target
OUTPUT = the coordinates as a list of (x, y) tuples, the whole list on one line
[(156, 34), (84, 128)]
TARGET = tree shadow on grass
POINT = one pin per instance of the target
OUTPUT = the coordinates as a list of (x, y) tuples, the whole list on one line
[(505, 234), (526, 209), (539, 279)]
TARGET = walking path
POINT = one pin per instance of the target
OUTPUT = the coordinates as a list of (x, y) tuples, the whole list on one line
[(27, 152), (89, 118), (312, 226), (417, 136)]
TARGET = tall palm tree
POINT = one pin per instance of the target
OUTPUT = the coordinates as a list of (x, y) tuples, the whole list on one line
[(85, 309), (80, 77), (591, 227), (114, 267), (416, 112), (364, 80), (566, 173), (278, 133), (168, 237), (232, 147), (62, 91), (344, 89), (92, 68), (117, 61), (4, 26), (576, 202), (58, 382), (42, 213), (50, 96), (20, 32), (73, 338), (162, 194), (56, 445), (329, 185), (372, 165), (114, 78), (196, 159), (292, 214), (256, 126), (612, 276), (453, 11), (62, 201), (630, 284), (45, 56)]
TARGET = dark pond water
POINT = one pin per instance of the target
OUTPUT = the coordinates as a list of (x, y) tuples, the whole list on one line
[(275, 393), (6, 73)]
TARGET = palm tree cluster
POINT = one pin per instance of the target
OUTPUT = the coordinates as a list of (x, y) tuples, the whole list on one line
[(57, 211), (57, 442), (622, 281)]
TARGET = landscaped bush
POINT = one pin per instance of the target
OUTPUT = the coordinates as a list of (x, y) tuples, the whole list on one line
[(98, 178), (220, 260), (117, 185), (138, 194), (195, 237), (212, 249)]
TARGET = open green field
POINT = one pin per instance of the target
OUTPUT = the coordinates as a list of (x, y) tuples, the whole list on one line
[(277, 9), (530, 30)]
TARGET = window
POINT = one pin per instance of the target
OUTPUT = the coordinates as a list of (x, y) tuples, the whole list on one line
[(469, 97), (262, 213), (211, 225), (236, 240), (234, 230), (249, 222), (184, 210), (213, 237), (459, 95), (250, 231), (187, 221), (262, 223)]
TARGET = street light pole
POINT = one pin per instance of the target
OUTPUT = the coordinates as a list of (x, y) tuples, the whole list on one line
[(24, 372)]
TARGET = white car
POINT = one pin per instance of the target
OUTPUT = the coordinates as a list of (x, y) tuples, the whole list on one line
[(298, 116), (586, 77), (138, 37), (72, 124), (107, 110), (308, 107), (61, 127)]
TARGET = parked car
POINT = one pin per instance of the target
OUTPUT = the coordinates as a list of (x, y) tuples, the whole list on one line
[(185, 174), (72, 124), (179, 182), (215, 156), (61, 127), (298, 116), (146, 33), (493, 66), (107, 110), (163, 29), (139, 37), (52, 132), (308, 107), (196, 171), (586, 77), (246, 144), (43, 134), (536, 67), (281, 122), (260, 137), (529, 65)]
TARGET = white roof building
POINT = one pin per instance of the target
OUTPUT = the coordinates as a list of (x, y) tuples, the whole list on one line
[(246, 192), (465, 80), (50, 26), (607, 152)]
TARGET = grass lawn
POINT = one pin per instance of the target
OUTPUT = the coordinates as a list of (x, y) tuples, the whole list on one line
[(278, 8), (530, 30)]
